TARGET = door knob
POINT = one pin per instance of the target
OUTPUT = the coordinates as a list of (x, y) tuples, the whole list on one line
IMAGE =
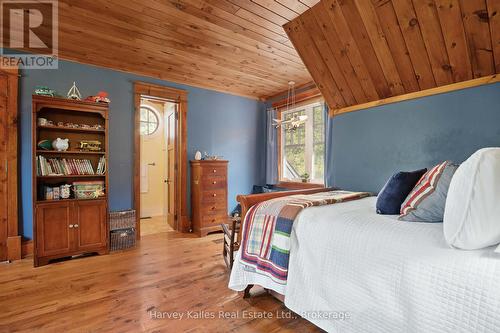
[(70, 226)]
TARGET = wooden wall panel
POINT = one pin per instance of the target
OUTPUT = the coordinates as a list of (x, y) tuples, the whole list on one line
[(359, 32), (340, 55), (376, 36), (397, 45), (477, 30), (314, 63), (450, 17), (323, 48), (434, 41), (348, 46), (379, 51), (494, 17), (415, 43)]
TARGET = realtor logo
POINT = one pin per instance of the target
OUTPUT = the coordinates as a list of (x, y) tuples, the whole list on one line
[(29, 34)]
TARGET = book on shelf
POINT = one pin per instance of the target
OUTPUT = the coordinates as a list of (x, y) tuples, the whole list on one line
[(101, 166), (63, 167)]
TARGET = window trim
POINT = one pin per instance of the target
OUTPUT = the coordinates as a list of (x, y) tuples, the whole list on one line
[(284, 181), (158, 118)]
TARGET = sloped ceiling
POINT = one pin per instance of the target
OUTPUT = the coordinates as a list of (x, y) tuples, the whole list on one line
[(359, 51)]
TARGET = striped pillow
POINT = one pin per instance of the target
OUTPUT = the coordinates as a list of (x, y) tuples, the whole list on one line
[(426, 201)]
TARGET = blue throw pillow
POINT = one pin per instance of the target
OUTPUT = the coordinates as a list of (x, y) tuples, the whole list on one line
[(395, 191)]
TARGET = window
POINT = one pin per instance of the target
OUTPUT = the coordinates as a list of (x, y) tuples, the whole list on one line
[(303, 148), (149, 120)]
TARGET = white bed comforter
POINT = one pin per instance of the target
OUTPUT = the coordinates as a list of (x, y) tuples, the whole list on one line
[(386, 275)]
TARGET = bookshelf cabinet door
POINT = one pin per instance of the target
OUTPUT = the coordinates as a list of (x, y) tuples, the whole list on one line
[(53, 230), (91, 224)]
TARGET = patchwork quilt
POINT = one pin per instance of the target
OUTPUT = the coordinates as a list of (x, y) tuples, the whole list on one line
[(265, 245)]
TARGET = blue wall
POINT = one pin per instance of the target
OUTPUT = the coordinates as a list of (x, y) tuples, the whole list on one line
[(372, 144), (218, 123)]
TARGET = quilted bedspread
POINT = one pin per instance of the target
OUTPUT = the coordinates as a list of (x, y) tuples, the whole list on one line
[(267, 228), (388, 275), (352, 270)]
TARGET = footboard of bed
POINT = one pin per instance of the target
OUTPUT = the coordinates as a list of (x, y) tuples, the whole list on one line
[(249, 200)]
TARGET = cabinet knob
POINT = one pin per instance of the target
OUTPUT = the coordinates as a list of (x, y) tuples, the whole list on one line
[(214, 195), (213, 208), (76, 225), (213, 220), (214, 182), (71, 226), (215, 170)]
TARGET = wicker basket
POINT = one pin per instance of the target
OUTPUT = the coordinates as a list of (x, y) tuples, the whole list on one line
[(122, 239), (122, 220)]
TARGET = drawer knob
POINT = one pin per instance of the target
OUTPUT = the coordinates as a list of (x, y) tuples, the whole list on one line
[(71, 226), (76, 225), (215, 170), (213, 220), (214, 182), (214, 195), (213, 208)]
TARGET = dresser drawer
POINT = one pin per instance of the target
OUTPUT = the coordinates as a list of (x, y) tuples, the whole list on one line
[(210, 220), (213, 182), (215, 208), (215, 195), (216, 170)]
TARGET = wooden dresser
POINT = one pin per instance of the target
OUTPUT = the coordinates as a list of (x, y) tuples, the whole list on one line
[(208, 195)]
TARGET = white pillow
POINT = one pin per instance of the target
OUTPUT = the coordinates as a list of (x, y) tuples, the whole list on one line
[(472, 211)]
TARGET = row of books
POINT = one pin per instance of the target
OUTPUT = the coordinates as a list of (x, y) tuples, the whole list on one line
[(65, 167)]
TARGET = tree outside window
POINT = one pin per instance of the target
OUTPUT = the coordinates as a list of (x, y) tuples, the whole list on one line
[(303, 149)]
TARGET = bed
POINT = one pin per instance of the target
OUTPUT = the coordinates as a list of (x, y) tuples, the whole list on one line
[(352, 270)]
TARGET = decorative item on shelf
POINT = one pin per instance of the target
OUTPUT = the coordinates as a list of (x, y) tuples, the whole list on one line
[(74, 93), (49, 123), (84, 126), (207, 157), (197, 155), (42, 121), (305, 177), (88, 189), (45, 91), (90, 145), (98, 127), (65, 191), (101, 97), (44, 145), (48, 194), (56, 192), (60, 124), (60, 144), (101, 166)]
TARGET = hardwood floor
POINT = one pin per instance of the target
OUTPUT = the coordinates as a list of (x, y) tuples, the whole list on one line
[(154, 225), (170, 273)]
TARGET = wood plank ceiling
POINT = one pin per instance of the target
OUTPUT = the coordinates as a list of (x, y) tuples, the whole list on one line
[(236, 46), (359, 51)]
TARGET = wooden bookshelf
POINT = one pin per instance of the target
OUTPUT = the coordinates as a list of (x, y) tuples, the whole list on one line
[(72, 226)]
